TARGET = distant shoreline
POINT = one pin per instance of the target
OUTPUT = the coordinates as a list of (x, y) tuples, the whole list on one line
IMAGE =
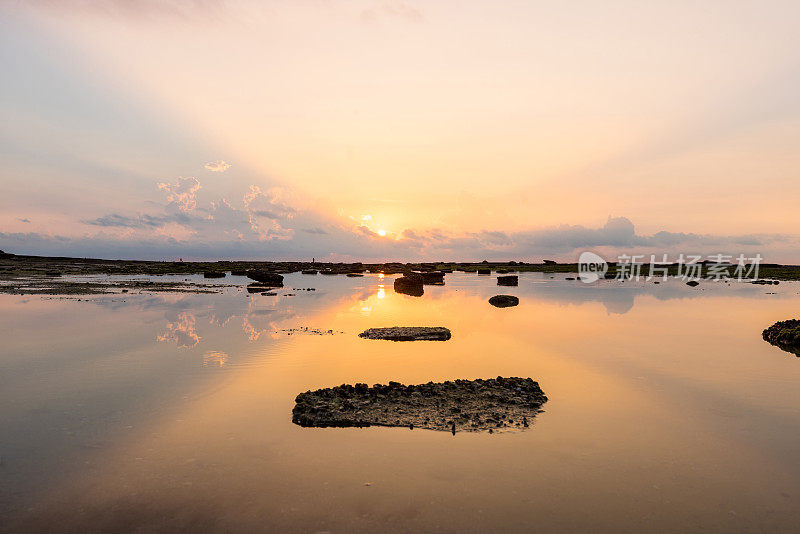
[(13, 266)]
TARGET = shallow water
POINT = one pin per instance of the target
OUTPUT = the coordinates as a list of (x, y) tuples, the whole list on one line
[(173, 411)]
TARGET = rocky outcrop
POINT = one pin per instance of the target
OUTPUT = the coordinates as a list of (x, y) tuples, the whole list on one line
[(309, 271), (484, 271), (503, 301), (692, 283), (508, 280), (785, 335), (408, 333), (213, 274), (493, 405), (267, 278), (354, 275), (429, 277)]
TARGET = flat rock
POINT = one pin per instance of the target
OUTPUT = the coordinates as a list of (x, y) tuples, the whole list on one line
[(408, 333), (784, 335), (493, 405), (508, 280), (503, 301)]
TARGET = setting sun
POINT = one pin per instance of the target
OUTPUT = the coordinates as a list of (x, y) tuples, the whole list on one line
[(382, 233)]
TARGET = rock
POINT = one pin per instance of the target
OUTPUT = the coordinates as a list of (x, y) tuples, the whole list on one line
[(503, 301), (327, 271), (354, 275), (692, 283), (309, 271), (409, 286), (430, 277), (238, 273), (408, 333), (484, 271), (266, 277), (549, 262), (785, 335), (213, 274), (459, 405), (508, 280)]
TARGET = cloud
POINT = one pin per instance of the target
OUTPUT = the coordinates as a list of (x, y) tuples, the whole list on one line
[(318, 231), (270, 205), (22, 219), (182, 193), (218, 166), (115, 220)]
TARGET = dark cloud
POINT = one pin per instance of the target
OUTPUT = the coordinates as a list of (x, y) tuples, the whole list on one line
[(21, 219), (115, 220)]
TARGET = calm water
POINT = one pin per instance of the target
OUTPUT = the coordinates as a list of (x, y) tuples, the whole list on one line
[(173, 411)]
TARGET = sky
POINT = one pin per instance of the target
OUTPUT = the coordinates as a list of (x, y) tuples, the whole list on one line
[(399, 129)]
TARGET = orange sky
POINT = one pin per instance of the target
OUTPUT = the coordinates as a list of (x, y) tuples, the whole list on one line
[(436, 118)]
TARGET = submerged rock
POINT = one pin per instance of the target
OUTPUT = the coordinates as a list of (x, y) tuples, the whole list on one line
[(258, 288), (785, 335), (503, 301), (409, 285), (508, 280), (497, 404), (266, 277), (408, 333)]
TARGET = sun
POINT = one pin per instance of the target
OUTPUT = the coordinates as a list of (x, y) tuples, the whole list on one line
[(382, 233)]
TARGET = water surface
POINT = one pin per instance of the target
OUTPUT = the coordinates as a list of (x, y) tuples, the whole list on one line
[(173, 411)]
